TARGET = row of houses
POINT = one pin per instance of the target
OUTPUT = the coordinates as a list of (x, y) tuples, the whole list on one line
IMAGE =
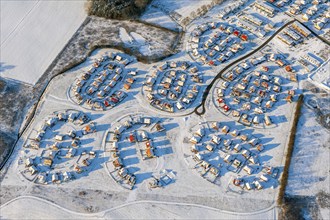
[(258, 31), (322, 21), (253, 19), (310, 7), (76, 117), (294, 34), (264, 8), (260, 181), (301, 29), (46, 163), (58, 177), (311, 60), (244, 66), (120, 173), (223, 13)]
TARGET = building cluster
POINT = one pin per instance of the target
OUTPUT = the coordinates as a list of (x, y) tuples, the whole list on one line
[(253, 24), (279, 3), (98, 87), (294, 34), (214, 43), (43, 160), (322, 20), (238, 151), (162, 179), (309, 62), (310, 10), (130, 131), (267, 174), (264, 8), (231, 8), (173, 86), (254, 93)]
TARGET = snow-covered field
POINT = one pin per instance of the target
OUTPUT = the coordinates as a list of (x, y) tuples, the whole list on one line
[(156, 16), (183, 7), (34, 208), (33, 33), (310, 165)]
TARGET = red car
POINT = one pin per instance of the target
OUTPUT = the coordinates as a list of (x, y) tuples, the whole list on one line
[(244, 37), (265, 68), (236, 33), (106, 103), (114, 100), (226, 108)]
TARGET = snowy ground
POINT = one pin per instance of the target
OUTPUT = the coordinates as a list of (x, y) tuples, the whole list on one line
[(321, 76), (33, 33), (309, 170), (178, 192), (98, 195), (34, 208), (156, 16), (308, 161), (183, 7)]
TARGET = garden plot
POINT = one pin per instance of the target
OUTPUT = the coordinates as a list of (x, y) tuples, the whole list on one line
[(99, 88), (217, 149), (58, 150), (214, 43), (256, 87), (136, 145), (173, 86)]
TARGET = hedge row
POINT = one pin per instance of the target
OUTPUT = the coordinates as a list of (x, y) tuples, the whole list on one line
[(285, 175)]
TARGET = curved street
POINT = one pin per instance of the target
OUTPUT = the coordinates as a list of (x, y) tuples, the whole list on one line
[(199, 111)]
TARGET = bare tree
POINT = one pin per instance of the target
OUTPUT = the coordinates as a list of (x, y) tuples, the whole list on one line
[(199, 11), (193, 14), (204, 8), (186, 21)]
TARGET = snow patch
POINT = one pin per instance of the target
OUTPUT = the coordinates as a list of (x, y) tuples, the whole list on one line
[(124, 36), (138, 38)]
